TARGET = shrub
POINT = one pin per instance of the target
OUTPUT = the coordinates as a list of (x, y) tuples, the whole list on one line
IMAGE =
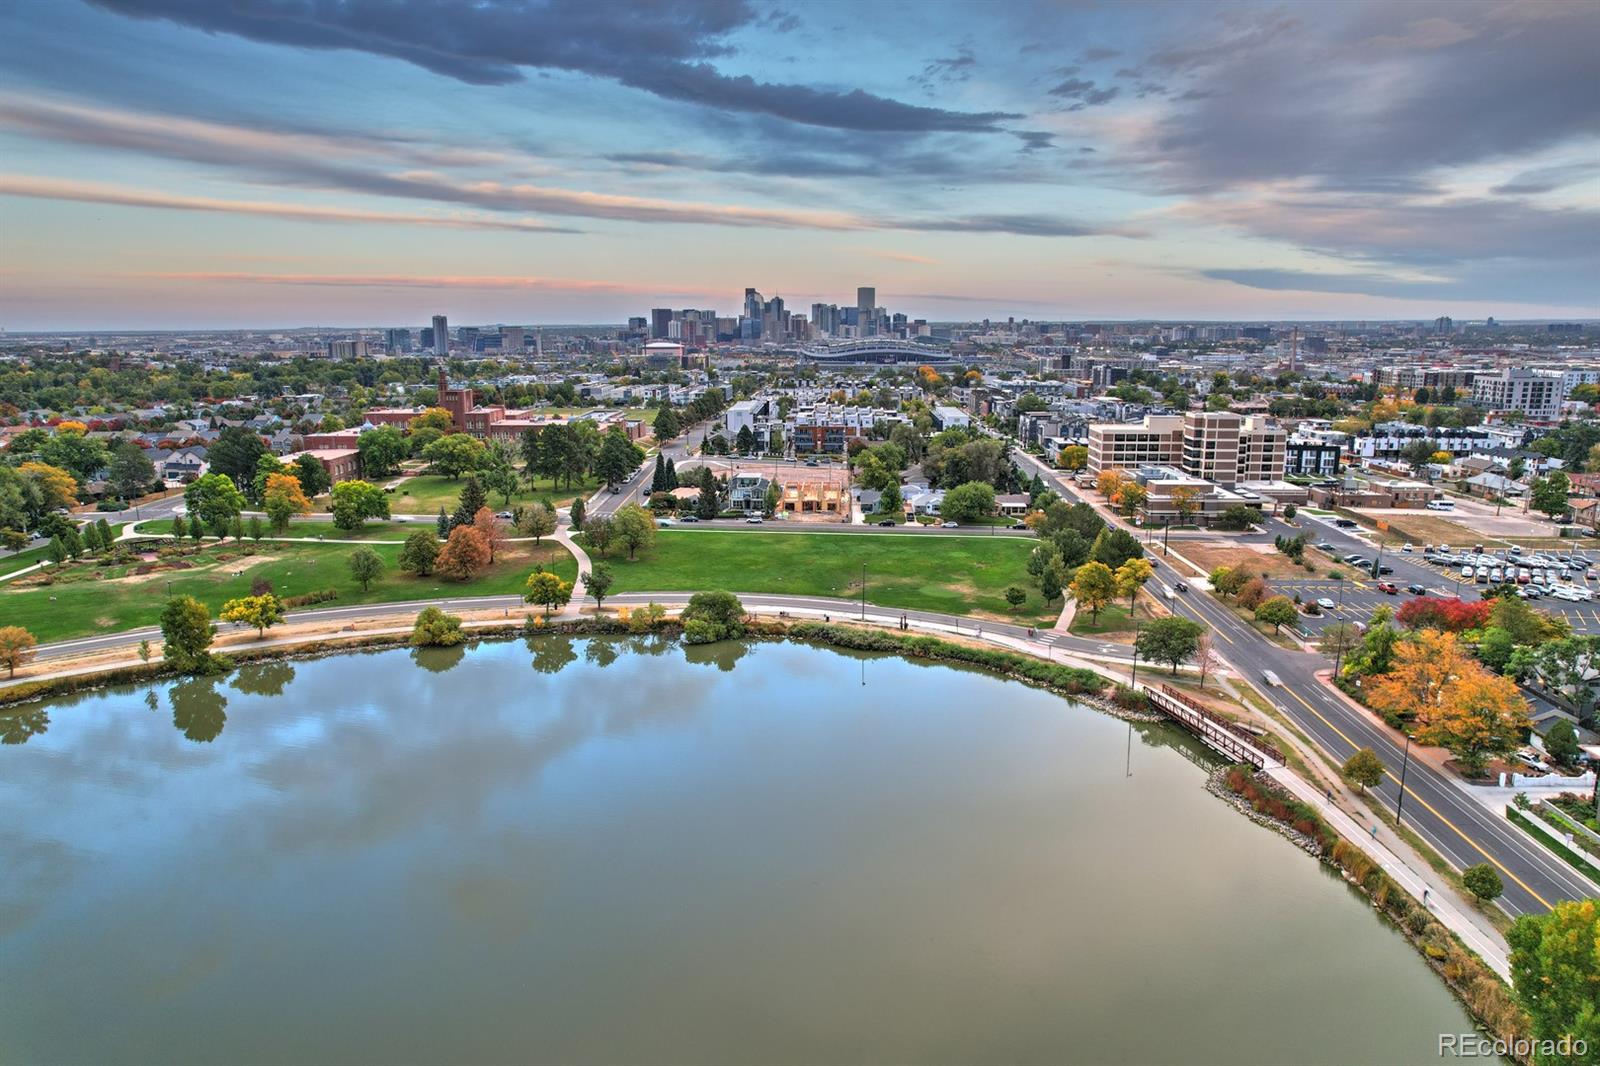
[(308, 598), (435, 629)]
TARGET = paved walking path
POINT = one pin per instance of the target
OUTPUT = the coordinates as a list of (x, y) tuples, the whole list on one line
[(1380, 847)]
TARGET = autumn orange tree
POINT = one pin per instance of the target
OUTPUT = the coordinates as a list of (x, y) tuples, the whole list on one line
[(492, 529), (1435, 683), (282, 499), (463, 555), (1109, 482)]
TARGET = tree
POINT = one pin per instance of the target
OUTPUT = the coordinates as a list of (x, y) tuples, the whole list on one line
[(547, 590), (1185, 501), (891, 502), (45, 488), (575, 513), (464, 554), (1453, 615), (1454, 701), (1237, 518), (1172, 640), (234, 454), (381, 450), (1130, 497), (455, 454), (712, 616), (258, 611), (442, 523), (1289, 511), (419, 552), (266, 466), (598, 533), (1073, 457), (1093, 587), (1364, 768), (283, 498), (1205, 656), (435, 629), (17, 648), (619, 457), (131, 472), (537, 521), (499, 476), (356, 501), (634, 528), (968, 502), (435, 418), (666, 425), (314, 479), (492, 529), (213, 500), (744, 440), (1113, 547), (1131, 577), (1016, 597), (1338, 640), (258, 529), (1549, 494), (598, 582), (1561, 741), (770, 501), (472, 500), (366, 566), (1555, 966), (1483, 882), (72, 451), (709, 504), (1051, 581), (1108, 482), (1277, 612), (186, 632)]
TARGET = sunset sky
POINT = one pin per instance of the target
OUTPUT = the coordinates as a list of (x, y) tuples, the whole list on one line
[(256, 163)]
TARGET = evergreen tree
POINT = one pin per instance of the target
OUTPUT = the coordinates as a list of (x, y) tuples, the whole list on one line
[(658, 480), (107, 538), (672, 475), (473, 498), (708, 506), (577, 513), (443, 523)]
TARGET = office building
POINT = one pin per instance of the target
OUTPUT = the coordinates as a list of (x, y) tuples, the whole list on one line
[(1221, 447), (397, 341), (513, 338), (441, 335), (1537, 394), (660, 323), (866, 310)]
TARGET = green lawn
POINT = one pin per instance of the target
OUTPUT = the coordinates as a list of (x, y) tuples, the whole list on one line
[(21, 560), (955, 575), (317, 527), (426, 493), (90, 599), (1114, 618)]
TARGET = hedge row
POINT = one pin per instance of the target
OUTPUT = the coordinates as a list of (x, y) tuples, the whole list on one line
[(1068, 679), (1544, 835)]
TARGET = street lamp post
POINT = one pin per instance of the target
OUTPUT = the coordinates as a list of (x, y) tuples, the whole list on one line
[(1133, 679), (863, 592), (1405, 761)]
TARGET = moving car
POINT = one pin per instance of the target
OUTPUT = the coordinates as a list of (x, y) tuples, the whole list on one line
[(690, 518), (949, 525), (754, 520), (1323, 547), (1417, 590), (888, 522), (1388, 588), (1405, 547)]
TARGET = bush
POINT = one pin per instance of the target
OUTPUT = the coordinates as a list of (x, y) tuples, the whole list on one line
[(309, 598), (699, 631), (435, 629)]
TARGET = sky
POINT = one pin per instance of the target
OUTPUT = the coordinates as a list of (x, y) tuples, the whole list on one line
[(200, 164)]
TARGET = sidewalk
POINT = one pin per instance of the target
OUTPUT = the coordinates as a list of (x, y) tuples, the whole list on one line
[(1465, 923)]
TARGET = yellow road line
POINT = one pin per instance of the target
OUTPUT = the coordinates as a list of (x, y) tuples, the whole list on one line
[(1428, 806)]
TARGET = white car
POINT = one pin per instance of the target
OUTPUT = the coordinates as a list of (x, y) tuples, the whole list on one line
[(1326, 604), (949, 525)]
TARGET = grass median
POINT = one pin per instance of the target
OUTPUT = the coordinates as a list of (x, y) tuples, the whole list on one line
[(950, 574), (85, 599)]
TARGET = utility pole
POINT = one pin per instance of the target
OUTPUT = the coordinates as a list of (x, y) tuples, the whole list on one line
[(863, 592), (1400, 802)]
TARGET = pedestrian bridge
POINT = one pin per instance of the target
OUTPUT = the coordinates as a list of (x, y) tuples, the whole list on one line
[(1226, 737), (877, 350)]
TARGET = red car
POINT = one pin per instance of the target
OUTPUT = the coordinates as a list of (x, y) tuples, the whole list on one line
[(1388, 587)]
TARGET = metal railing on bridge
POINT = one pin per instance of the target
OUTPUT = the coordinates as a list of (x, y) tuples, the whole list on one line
[(1228, 738)]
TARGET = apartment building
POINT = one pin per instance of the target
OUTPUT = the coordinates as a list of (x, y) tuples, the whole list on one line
[(1222, 447), (1535, 393)]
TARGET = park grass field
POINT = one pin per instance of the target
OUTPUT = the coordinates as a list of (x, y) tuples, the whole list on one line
[(1115, 622), (954, 575), (426, 493), (86, 599)]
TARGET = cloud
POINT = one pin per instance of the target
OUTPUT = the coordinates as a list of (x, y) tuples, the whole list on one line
[(415, 281), (661, 49), (1095, 55), (1021, 225), (948, 70), (1548, 179), (1084, 92), (97, 193), (1372, 89), (905, 257)]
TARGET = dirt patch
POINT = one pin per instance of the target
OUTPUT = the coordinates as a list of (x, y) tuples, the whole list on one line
[(1258, 558)]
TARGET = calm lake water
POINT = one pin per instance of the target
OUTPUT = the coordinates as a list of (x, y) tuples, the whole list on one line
[(625, 851)]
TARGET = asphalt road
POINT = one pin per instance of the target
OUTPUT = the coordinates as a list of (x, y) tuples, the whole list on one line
[(1437, 806)]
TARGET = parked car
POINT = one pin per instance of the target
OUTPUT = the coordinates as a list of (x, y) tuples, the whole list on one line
[(1326, 604), (690, 518), (507, 515), (949, 525), (888, 522), (1323, 547), (754, 520)]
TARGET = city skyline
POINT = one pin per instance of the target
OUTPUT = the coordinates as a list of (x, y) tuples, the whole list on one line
[(546, 163)]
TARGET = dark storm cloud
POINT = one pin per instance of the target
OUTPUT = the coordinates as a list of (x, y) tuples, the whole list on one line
[(660, 49), (1084, 93), (1398, 88)]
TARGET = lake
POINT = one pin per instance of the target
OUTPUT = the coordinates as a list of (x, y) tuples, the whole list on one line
[(622, 850)]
